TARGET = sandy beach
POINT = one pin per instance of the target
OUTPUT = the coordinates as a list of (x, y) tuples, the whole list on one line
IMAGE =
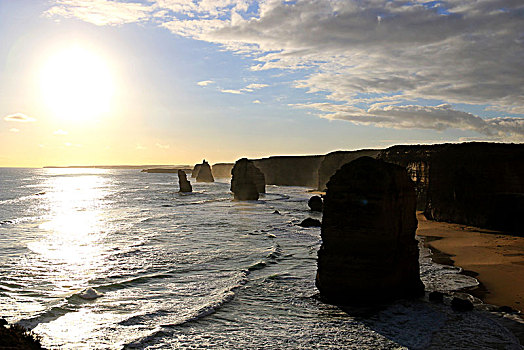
[(497, 258)]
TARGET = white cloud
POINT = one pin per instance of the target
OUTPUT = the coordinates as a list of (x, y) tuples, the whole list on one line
[(140, 147), (15, 130), (205, 82), (60, 132), (256, 101), (255, 86), (19, 117), (377, 53), (230, 91), (161, 146), (100, 12)]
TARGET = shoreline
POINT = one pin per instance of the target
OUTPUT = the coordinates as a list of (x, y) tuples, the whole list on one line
[(495, 259)]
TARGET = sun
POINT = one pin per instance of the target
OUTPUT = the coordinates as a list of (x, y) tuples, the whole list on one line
[(77, 84)]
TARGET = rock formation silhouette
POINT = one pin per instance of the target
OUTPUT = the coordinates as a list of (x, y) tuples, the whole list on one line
[(195, 171), (204, 174), (369, 253), (184, 184), (248, 181), (315, 203)]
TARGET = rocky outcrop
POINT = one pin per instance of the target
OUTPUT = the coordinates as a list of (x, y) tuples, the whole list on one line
[(184, 184), (290, 170), (204, 174), (195, 171), (247, 180), (315, 203), (310, 222), (222, 170), (369, 252), (477, 183), (334, 161)]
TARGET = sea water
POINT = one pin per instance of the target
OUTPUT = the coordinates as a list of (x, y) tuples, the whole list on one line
[(111, 259)]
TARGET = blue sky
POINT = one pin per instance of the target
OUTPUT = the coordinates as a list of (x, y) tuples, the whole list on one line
[(225, 79)]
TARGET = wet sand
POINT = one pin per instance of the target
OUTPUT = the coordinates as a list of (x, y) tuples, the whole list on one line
[(498, 259)]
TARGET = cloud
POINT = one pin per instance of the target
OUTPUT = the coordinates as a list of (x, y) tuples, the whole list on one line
[(205, 82), (256, 101), (60, 132), (19, 117), (354, 52), (159, 145), (140, 147), (230, 91), (100, 12), (255, 86), (15, 130), (438, 118)]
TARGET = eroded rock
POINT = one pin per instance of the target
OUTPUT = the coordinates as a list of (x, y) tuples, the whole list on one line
[(184, 184), (204, 173), (247, 181), (369, 253)]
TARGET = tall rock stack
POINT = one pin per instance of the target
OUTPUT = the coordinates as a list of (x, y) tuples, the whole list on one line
[(184, 184), (248, 181), (204, 173), (369, 253)]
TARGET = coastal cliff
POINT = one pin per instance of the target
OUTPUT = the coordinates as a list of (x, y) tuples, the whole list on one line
[(479, 184), (222, 170), (290, 170), (369, 253), (334, 160)]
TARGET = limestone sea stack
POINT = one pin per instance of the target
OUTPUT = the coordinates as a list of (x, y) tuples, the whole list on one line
[(369, 253), (204, 173), (248, 181), (184, 184), (195, 171)]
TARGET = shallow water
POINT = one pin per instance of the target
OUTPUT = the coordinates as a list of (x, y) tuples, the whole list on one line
[(172, 270)]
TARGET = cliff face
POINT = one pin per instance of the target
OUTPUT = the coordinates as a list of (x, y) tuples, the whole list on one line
[(222, 170), (247, 181), (183, 183), (204, 173), (479, 184), (369, 252), (290, 170), (334, 160)]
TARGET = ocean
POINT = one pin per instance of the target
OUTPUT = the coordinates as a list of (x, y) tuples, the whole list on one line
[(112, 259)]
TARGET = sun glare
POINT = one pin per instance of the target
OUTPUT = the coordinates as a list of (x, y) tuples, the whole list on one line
[(77, 85)]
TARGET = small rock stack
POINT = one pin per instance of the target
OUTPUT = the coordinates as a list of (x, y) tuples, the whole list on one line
[(204, 173), (184, 184)]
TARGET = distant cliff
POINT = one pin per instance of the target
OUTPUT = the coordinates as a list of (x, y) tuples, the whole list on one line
[(222, 170), (290, 170), (334, 161), (479, 184)]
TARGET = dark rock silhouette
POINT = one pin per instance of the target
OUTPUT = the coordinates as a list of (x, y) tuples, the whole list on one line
[(459, 304), (195, 171), (222, 170), (309, 222), (369, 252), (247, 181), (204, 173), (333, 161), (477, 183), (184, 184), (315, 203), (436, 296), (290, 170)]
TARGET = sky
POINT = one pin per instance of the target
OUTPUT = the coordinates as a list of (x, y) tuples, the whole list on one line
[(175, 81)]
